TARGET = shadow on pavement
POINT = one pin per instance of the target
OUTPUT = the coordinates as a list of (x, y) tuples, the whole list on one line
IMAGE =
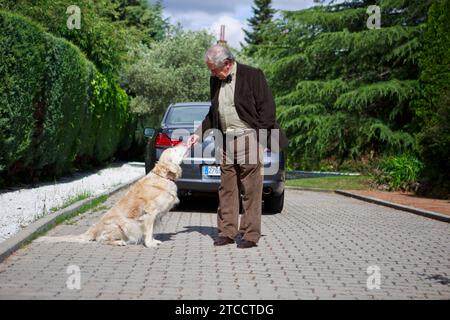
[(439, 279), (204, 230)]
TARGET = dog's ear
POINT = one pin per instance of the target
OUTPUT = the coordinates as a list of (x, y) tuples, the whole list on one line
[(167, 155), (179, 171), (171, 175), (174, 170)]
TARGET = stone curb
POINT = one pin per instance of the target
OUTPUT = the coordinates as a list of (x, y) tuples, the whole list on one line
[(14, 243), (310, 189), (421, 212)]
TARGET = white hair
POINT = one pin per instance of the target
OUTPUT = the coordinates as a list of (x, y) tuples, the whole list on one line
[(218, 54)]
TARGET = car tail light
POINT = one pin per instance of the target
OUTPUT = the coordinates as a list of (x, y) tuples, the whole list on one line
[(163, 140)]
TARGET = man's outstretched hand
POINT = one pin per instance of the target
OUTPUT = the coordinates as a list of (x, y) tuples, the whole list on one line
[(193, 139)]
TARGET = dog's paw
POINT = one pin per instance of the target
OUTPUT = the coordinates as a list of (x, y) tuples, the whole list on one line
[(152, 243), (120, 243)]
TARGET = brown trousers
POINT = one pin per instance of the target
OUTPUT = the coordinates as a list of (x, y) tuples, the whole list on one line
[(244, 173)]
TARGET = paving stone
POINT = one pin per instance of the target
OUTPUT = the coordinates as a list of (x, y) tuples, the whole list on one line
[(320, 247)]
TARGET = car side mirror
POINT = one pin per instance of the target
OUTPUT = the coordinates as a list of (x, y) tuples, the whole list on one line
[(149, 132)]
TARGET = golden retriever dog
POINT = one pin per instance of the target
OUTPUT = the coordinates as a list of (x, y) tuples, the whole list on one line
[(131, 219)]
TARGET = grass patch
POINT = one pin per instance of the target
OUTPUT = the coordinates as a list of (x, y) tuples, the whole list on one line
[(338, 182), (82, 196), (100, 208), (86, 207)]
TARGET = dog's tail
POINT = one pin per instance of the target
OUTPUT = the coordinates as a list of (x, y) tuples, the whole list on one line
[(81, 238)]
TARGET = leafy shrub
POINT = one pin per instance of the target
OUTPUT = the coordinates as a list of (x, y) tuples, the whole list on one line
[(177, 72), (398, 172)]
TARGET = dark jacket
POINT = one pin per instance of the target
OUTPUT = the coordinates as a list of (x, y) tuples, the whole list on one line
[(253, 100)]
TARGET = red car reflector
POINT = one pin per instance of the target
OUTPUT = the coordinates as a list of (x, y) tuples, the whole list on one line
[(163, 140)]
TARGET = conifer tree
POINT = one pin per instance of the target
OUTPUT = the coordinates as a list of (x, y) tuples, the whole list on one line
[(344, 91), (143, 16), (262, 14)]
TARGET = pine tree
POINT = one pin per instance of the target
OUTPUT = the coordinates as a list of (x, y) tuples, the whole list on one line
[(262, 14), (143, 16), (344, 91)]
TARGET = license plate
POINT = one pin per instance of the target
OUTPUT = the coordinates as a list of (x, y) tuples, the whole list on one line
[(211, 171)]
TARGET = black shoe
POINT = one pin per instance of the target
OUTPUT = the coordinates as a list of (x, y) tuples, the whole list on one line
[(244, 244), (221, 241)]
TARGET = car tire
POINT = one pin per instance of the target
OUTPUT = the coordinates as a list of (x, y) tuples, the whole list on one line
[(274, 204)]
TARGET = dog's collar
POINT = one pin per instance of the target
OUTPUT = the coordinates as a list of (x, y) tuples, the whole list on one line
[(173, 180)]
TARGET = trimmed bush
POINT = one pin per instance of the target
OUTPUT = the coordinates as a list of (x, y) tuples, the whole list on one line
[(67, 92), (433, 107), (110, 105), (56, 109), (22, 51)]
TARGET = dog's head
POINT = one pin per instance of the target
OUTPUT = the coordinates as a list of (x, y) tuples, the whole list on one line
[(171, 159), (174, 155)]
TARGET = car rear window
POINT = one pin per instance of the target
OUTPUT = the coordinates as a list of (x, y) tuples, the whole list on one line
[(186, 115)]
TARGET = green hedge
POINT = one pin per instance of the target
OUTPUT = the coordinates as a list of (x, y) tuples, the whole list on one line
[(66, 92), (22, 51), (433, 107), (110, 105), (56, 109)]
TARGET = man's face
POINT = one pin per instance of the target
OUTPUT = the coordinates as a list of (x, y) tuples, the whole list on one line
[(220, 72)]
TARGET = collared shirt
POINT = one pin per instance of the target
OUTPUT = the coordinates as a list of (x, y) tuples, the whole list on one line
[(228, 116)]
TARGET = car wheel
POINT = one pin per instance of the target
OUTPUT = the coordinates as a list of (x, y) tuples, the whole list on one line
[(274, 204)]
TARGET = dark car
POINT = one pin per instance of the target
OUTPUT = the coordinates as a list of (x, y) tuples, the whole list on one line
[(202, 175)]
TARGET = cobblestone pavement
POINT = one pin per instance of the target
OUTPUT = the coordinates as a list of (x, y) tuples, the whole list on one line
[(320, 247)]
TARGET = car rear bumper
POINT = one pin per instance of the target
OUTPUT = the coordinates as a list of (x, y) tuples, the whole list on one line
[(195, 185), (186, 186)]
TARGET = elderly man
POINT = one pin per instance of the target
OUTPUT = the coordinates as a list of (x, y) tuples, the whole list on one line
[(241, 104)]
